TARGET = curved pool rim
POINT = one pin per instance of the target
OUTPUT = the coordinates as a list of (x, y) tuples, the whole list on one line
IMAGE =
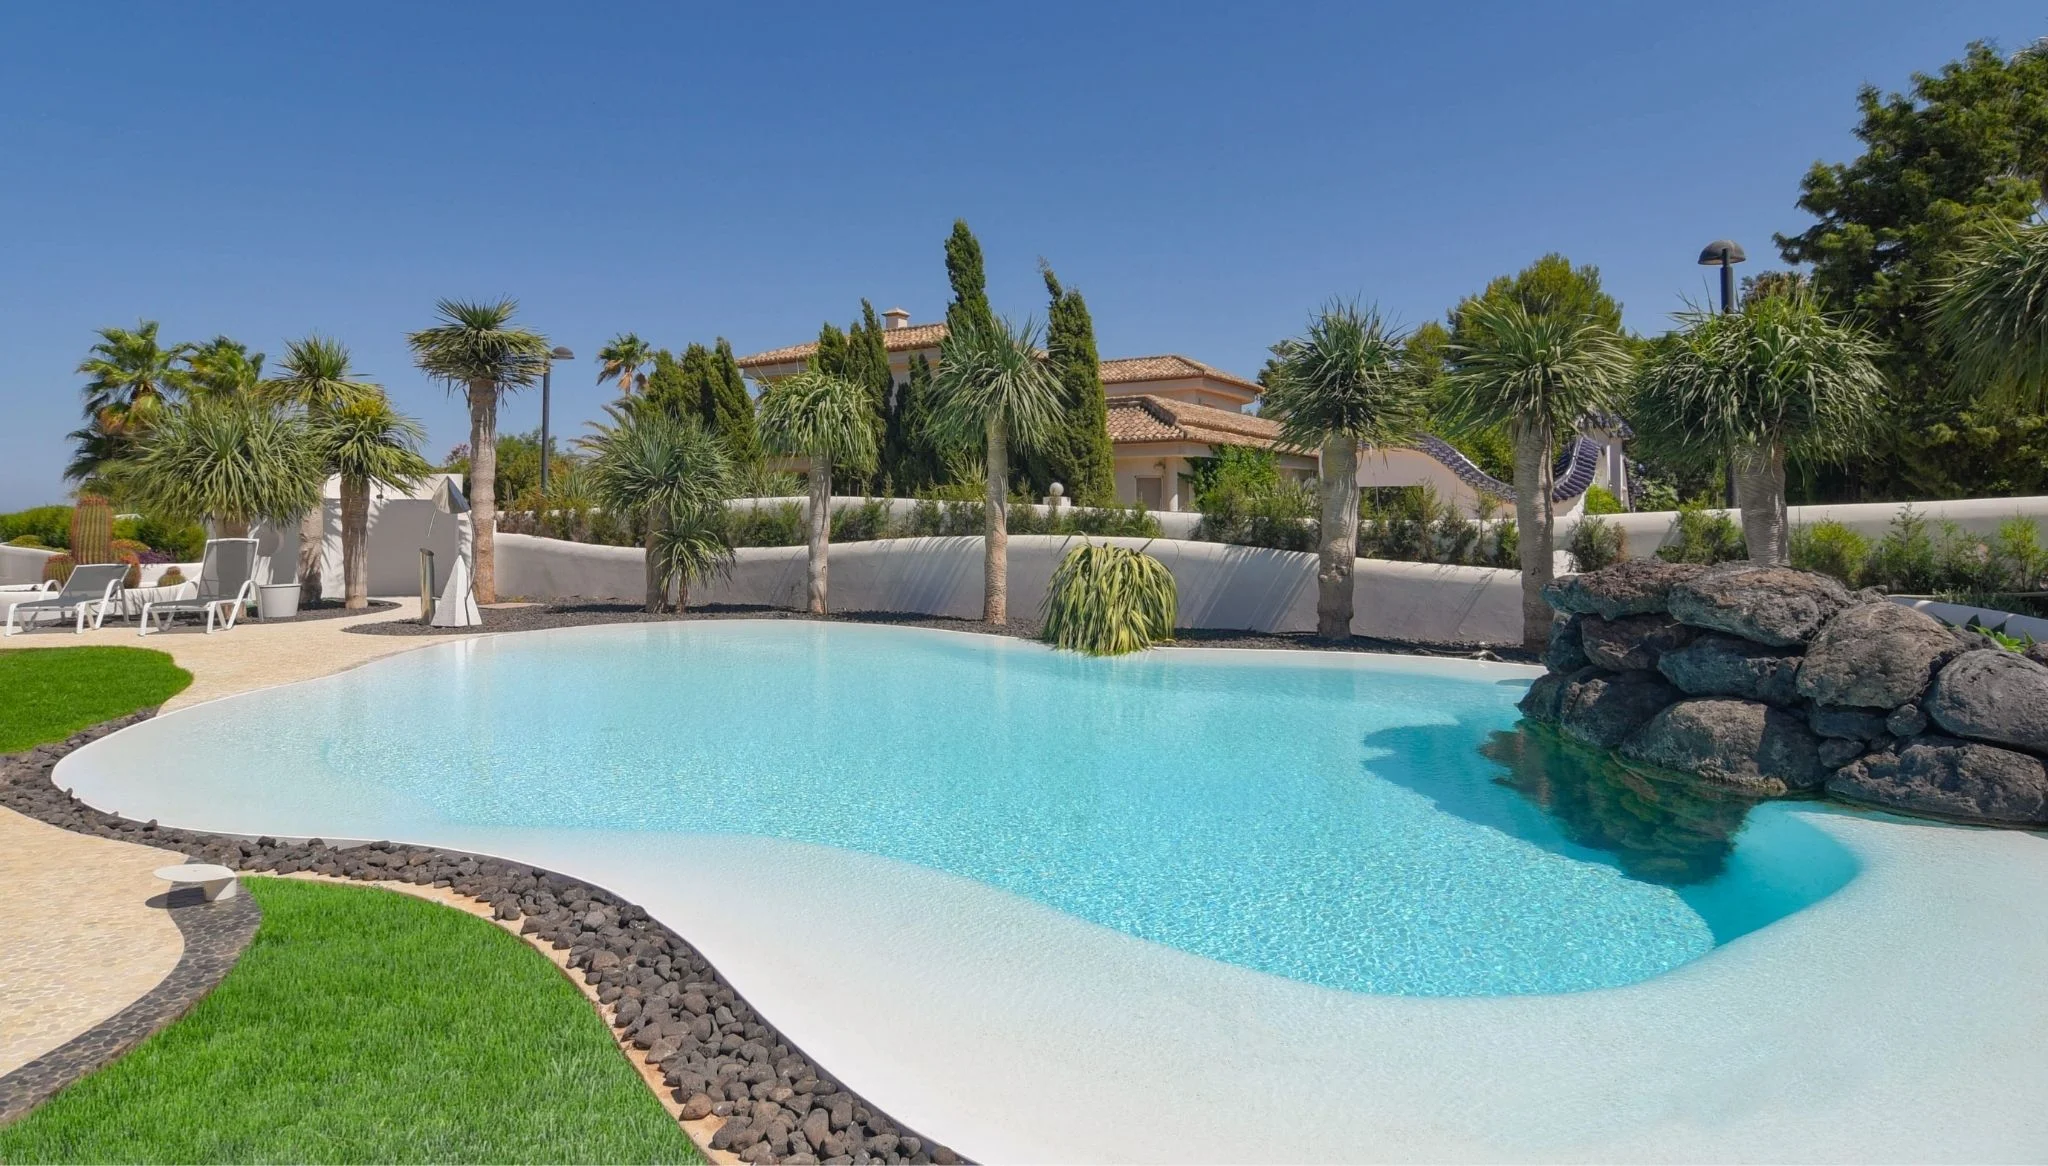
[(1075, 1041)]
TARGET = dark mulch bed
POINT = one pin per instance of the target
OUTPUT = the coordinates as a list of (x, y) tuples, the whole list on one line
[(581, 613), (332, 609)]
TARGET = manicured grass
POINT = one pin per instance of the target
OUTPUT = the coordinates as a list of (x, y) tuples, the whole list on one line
[(47, 694), (366, 1026)]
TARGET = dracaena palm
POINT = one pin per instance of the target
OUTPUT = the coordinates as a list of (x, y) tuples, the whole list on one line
[(994, 389), (315, 378), (477, 349), (1538, 374), (621, 361), (1778, 377), (830, 421), (223, 368), (1340, 386), (234, 462), (1993, 314), (367, 443), (670, 472), (132, 377)]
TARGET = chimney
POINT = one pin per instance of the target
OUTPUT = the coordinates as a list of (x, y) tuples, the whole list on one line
[(895, 318)]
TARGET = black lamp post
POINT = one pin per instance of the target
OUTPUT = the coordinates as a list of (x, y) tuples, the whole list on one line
[(1724, 254), (547, 445)]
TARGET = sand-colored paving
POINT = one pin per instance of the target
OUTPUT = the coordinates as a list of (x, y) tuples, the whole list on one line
[(248, 656), (83, 941)]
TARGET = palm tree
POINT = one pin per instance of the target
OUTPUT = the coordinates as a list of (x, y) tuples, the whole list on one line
[(234, 462), (133, 378), (669, 471), (1537, 374), (366, 441), (476, 348), (622, 360), (1339, 386), (994, 387), (223, 368), (829, 420), (315, 379), (1777, 377), (1993, 313)]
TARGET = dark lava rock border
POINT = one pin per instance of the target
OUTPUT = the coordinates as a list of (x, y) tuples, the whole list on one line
[(716, 1054)]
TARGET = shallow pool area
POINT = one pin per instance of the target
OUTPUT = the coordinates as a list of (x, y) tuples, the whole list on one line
[(1358, 822)]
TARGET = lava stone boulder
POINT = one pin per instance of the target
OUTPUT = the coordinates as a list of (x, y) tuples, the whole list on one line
[(1742, 743), (1632, 643), (1566, 652), (1718, 665), (1541, 702), (1604, 708), (1993, 695), (1778, 606), (1877, 656), (1950, 778), (2037, 652), (1630, 587), (1846, 724)]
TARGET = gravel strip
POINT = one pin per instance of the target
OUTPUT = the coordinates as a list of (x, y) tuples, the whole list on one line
[(716, 1055)]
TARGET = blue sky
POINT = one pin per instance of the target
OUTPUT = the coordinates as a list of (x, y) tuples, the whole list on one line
[(1205, 173)]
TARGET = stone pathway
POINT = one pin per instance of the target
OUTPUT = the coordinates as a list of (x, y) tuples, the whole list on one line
[(81, 939)]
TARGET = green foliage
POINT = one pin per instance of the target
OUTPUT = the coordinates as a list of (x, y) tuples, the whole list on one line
[(1343, 376), (226, 460), (780, 525), (1831, 549), (1412, 524), (964, 273), (369, 443), (911, 460), (732, 407), (668, 387), (865, 522), (50, 693), (1596, 543), (224, 368), (1551, 286), (1101, 522), (1993, 315), (1998, 635), (366, 1026), (1962, 152), (671, 474), (48, 525), (1545, 370), (622, 359), (993, 376), (476, 343), (131, 380), (315, 376), (820, 414), (1601, 500), (1077, 454), (1905, 560), (1233, 472), (184, 542), (1701, 535), (1778, 372), (1106, 600)]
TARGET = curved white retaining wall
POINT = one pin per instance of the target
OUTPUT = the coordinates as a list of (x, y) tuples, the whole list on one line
[(23, 564), (1648, 530), (1172, 523), (1229, 587)]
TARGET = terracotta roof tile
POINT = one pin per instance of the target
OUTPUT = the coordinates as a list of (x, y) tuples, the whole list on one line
[(1168, 366), (914, 337), (1145, 417)]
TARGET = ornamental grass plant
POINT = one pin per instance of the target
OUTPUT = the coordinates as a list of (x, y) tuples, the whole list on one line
[(1106, 600)]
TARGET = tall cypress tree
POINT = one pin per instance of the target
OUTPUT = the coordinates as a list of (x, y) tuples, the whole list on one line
[(668, 388), (832, 348), (732, 407), (912, 461), (970, 282), (1078, 455)]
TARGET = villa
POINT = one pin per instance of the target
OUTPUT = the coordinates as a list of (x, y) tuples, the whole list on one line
[(1169, 410)]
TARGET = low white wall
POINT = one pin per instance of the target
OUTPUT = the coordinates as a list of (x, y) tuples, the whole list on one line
[(1172, 524), (1648, 530), (399, 527), (23, 564), (1960, 614), (1238, 588)]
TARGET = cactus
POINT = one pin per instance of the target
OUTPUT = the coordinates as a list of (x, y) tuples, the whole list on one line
[(92, 530)]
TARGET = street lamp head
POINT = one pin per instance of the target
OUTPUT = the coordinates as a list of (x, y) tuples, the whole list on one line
[(1721, 251), (562, 354)]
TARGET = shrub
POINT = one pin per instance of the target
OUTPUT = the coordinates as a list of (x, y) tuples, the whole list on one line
[(1596, 543), (854, 524), (1282, 516), (1601, 500), (1110, 522), (50, 526), (184, 542), (1699, 535), (1107, 600), (781, 525), (1905, 561), (27, 540), (1507, 545), (1831, 549)]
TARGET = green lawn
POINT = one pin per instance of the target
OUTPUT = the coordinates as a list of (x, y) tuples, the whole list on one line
[(47, 694), (366, 1026)]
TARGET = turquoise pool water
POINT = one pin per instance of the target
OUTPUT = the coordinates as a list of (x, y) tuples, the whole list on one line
[(1365, 823)]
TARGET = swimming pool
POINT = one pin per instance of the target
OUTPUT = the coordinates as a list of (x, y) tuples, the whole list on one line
[(1367, 823)]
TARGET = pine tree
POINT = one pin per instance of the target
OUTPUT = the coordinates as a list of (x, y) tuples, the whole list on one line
[(970, 282), (1078, 455), (732, 407)]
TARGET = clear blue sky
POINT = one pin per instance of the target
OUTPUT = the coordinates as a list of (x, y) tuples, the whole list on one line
[(1205, 173)]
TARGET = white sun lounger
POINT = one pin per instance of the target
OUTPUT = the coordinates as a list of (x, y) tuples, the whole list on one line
[(92, 586), (227, 583)]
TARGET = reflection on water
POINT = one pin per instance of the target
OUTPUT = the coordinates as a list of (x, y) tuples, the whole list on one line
[(1659, 829)]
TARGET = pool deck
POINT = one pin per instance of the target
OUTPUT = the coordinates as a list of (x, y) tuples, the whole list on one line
[(1902, 1018)]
